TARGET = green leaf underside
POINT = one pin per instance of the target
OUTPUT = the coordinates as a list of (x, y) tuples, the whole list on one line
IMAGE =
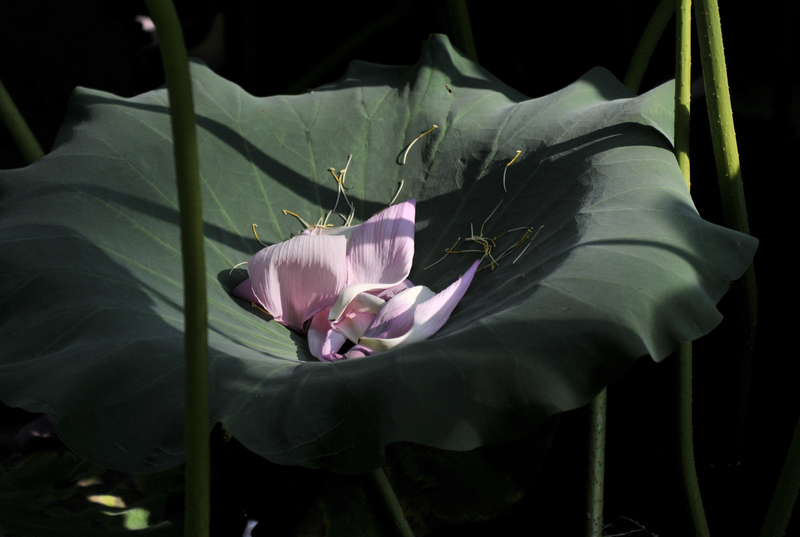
[(90, 273)]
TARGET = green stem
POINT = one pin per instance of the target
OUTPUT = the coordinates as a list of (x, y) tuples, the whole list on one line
[(683, 86), (461, 28), (393, 509), (780, 509), (597, 455), (720, 113), (691, 486), (647, 44), (683, 82), (729, 176), (184, 134), (18, 128)]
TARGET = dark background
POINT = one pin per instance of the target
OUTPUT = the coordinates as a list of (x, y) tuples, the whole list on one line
[(49, 48)]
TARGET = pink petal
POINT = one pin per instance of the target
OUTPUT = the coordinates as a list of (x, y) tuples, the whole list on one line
[(352, 325), (323, 341), (414, 315), (297, 278), (379, 253), (245, 291), (381, 249)]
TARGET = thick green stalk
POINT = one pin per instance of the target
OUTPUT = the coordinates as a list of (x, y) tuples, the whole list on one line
[(461, 28), (392, 506), (729, 176), (683, 82), (647, 44), (597, 456), (720, 113), (184, 135), (780, 509), (18, 128), (683, 85)]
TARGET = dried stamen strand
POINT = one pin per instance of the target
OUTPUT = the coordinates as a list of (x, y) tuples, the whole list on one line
[(415, 141), (506, 169)]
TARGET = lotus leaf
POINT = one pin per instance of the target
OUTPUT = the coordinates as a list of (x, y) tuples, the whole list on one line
[(594, 255)]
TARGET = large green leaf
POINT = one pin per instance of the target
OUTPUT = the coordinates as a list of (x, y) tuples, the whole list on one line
[(90, 272)]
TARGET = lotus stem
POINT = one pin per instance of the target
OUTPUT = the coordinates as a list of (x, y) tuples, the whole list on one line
[(683, 85), (595, 481), (647, 44), (786, 491), (390, 502), (691, 486), (683, 82), (18, 128), (461, 28), (729, 176), (184, 135)]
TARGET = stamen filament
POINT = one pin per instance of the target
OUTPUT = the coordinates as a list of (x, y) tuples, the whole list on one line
[(415, 141), (290, 213), (256, 234), (506, 169)]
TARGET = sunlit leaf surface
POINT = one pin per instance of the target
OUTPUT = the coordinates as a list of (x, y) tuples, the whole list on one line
[(601, 258)]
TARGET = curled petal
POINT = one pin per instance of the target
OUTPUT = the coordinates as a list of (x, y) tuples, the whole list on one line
[(414, 314), (297, 278), (353, 325), (379, 253), (324, 341)]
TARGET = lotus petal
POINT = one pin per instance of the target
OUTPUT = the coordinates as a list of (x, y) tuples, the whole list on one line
[(297, 278)]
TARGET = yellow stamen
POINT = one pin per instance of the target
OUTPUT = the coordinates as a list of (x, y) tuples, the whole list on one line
[(415, 141), (256, 234), (290, 213), (506, 169)]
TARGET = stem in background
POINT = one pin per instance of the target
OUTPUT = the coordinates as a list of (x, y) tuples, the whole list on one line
[(729, 176), (393, 509), (691, 486), (647, 44), (683, 86), (780, 508), (595, 480), (683, 83), (184, 135), (18, 128), (461, 28), (720, 113)]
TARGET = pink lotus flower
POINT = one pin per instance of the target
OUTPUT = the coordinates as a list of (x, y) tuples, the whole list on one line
[(350, 283)]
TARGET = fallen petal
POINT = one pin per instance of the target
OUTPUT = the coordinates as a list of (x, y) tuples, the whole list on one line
[(295, 279), (324, 341), (245, 291), (379, 253), (415, 315)]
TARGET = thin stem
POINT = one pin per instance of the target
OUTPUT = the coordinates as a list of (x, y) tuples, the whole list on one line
[(729, 176), (780, 509), (647, 44), (18, 128), (683, 86), (461, 28), (184, 134), (691, 485), (720, 113), (683, 82), (393, 509), (595, 480)]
